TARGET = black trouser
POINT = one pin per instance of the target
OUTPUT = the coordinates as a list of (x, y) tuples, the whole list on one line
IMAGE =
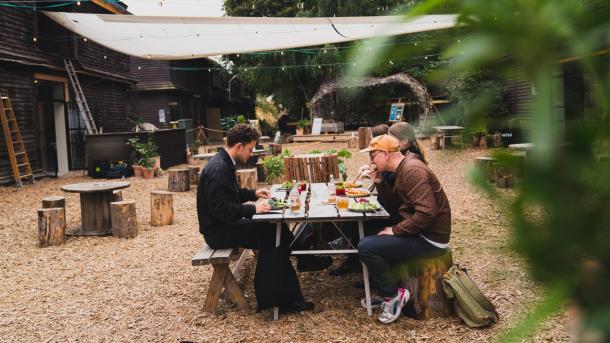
[(379, 252), (275, 280)]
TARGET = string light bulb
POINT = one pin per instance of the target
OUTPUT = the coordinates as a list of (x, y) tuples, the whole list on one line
[(139, 68), (105, 57), (78, 3), (85, 39), (35, 39)]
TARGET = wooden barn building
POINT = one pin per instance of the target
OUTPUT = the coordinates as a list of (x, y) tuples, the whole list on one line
[(34, 77)]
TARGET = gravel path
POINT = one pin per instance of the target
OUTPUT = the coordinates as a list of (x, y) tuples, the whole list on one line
[(144, 289)]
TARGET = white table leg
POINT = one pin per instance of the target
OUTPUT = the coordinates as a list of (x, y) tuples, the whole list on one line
[(278, 237), (365, 275)]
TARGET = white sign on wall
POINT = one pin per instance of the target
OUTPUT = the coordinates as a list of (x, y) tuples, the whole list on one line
[(162, 116), (316, 127)]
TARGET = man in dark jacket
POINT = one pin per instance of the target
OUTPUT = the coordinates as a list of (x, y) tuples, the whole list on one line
[(225, 219)]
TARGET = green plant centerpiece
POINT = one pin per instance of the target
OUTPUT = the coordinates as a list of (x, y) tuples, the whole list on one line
[(274, 168), (303, 123)]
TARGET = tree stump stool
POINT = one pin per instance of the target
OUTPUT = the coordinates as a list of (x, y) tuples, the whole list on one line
[(435, 141), (178, 180), (246, 178), (352, 142), (364, 137), (56, 201), (51, 226), (505, 181), (161, 208), (193, 175), (486, 165), (275, 148), (117, 195), (424, 279), (260, 171), (124, 220)]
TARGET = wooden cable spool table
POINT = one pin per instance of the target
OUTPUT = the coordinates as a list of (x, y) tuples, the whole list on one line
[(95, 199)]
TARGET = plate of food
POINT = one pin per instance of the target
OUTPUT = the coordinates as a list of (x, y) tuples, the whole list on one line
[(277, 204), (352, 185), (287, 185), (364, 205), (357, 193)]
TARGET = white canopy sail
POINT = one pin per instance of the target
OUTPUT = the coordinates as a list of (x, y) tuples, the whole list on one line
[(172, 38)]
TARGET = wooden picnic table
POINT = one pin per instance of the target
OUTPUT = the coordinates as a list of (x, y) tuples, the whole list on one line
[(318, 211), (95, 199)]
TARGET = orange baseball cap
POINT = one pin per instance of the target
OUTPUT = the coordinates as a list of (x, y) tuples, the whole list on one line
[(382, 143)]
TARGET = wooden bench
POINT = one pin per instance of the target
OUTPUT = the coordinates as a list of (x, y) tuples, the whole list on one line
[(222, 276)]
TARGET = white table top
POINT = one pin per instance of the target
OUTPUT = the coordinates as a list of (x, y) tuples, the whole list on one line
[(521, 146), (445, 128), (92, 187)]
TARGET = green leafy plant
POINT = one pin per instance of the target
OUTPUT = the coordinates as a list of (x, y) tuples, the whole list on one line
[(147, 162), (228, 122), (145, 150), (240, 119), (274, 168), (303, 123)]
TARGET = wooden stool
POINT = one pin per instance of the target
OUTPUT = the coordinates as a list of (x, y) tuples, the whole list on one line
[(56, 201), (504, 181), (486, 165), (364, 137), (246, 178), (424, 279), (117, 195), (260, 171), (275, 148), (161, 208), (193, 175), (51, 226), (178, 180), (352, 142), (124, 220)]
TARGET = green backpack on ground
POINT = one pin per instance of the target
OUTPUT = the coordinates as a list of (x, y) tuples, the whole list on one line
[(470, 304)]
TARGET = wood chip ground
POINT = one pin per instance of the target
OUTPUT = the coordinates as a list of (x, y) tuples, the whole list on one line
[(106, 289)]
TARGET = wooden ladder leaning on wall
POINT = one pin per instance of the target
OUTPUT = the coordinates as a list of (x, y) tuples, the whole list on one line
[(14, 144)]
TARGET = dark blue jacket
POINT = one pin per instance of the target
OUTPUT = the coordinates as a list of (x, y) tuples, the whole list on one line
[(219, 198)]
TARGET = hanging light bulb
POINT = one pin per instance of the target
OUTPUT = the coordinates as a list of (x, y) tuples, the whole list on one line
[(319, 67), (281, 52), (78, 3), (283, 68), (392, 63), (35, 39), (209, 70), (85, 39), (105, 57), (139, 68)]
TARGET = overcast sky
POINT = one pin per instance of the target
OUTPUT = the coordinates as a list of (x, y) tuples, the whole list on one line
[(179, 8)]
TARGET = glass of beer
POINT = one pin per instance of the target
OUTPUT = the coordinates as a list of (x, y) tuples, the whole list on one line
[(295, 203), (342, 202)]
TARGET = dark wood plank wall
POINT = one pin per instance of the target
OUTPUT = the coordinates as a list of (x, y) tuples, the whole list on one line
[(17, 30), (148, 105), (97, 57), (17, 84), (151, 74), (109, 103)]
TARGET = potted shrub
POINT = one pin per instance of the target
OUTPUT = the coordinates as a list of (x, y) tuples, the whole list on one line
[(274, 168), (147, 164), (137, 152), (302, 126)]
